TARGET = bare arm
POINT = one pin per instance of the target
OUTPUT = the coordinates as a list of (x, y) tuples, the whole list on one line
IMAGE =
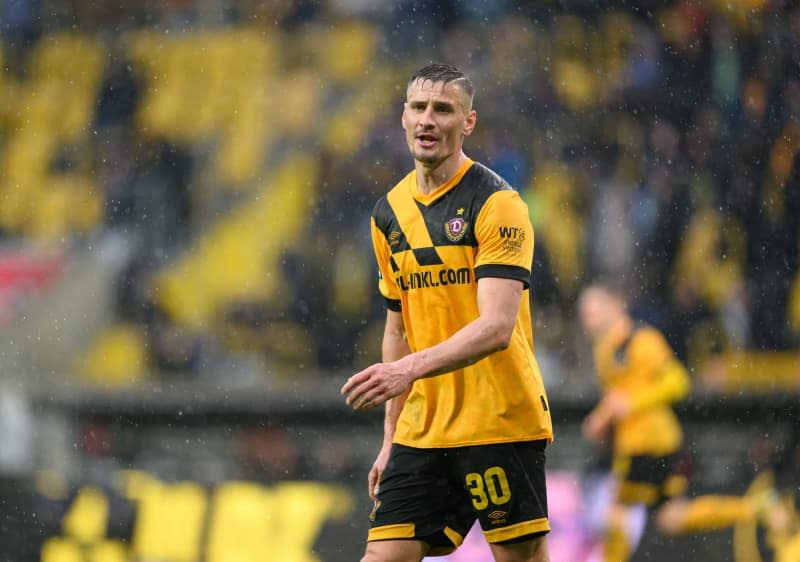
[(394, 347), (498, 306)]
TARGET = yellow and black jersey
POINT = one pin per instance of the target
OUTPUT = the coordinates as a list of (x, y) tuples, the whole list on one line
[(431, 251), (637, 360)]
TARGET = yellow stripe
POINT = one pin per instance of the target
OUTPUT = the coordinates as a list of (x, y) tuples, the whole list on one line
[(409, 217), (454, 536), (675, 485), (387, 532), (621, 466), (636, 492), (517, 530)]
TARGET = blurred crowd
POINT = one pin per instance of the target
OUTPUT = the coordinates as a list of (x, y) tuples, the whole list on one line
[(657, 144)]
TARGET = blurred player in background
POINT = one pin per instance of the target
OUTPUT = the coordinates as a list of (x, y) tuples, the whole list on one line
[(640, 380), (467, 418)]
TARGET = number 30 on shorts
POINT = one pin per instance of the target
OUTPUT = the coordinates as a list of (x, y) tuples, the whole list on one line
[(492, 485)]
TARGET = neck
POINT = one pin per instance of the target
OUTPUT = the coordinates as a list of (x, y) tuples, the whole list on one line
[(429, 178)]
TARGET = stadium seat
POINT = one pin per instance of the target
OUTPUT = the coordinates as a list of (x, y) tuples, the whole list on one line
[(349, 50), (752, 372), (212, 90), (109, 551), (238, 259), (343, 133), (241, 527), (117, 356), (59, 549), (87, 518), (702, 263), (170, 521), (55, 106), (552, 199), (794, 305)]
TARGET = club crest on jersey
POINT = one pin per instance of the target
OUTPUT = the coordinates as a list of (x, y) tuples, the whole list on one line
[(455, 228)]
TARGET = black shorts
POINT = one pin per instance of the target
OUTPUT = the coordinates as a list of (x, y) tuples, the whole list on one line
[(647, 479), (435, 495)]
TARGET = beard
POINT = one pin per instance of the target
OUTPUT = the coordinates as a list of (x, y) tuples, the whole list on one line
[(424, 158)]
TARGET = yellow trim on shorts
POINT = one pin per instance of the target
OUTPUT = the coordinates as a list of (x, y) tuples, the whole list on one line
[(454, 536), (675, 485), (517, 530), (388, 532), (638, 492)]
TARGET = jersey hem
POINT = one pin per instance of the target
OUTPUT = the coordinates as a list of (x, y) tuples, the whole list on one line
[(406, 443)]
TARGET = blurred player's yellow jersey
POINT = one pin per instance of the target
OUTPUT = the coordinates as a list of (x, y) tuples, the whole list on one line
[(431, 251), (638, 361)]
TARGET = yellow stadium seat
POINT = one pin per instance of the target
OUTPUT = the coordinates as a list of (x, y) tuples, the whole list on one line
[(348, 51), (344, 129), (251, 523), (52, 207), (58, 549), (109, 551), (793, 311), (117, 356), (699, 263), (54, 108), (243, 145), (241, 527), (552, 198), (758, 372), (315, 503), (575, 83), (17, 208), (238, 259), (27, 157), (170, 521), (87, 518)]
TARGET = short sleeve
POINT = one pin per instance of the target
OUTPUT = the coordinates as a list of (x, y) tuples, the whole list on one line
[(505, 238), (386, 283), (649, 350)]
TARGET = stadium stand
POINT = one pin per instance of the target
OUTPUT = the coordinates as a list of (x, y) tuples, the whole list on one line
[(190, 142)]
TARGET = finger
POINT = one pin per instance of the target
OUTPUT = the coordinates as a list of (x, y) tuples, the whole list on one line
[(356, 379), (373, 482), (356, 397), (372, 399)]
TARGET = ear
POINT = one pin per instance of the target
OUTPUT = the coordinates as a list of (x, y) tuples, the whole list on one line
[(469, 125), (403, 116)]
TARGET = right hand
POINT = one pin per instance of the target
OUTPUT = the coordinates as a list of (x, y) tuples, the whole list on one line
[(376, 472), (597, 424)]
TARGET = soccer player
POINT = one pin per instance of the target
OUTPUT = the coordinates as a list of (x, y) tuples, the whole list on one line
[(467, 417), (640, 380)]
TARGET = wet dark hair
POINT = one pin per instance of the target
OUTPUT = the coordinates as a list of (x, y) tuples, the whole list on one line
[(440, 72)]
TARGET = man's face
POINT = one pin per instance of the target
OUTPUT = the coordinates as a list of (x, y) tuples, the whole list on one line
[(436, 117), (597, 310)]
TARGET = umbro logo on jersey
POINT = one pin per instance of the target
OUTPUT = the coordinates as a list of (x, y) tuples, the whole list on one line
[(455, 228), (394, 238)]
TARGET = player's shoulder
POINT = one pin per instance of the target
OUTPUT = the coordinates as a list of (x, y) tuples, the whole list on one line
[(485, 181), (482, 185), (647, 337)]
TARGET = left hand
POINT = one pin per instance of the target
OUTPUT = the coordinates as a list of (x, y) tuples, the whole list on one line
[(375, 385), (618, 403), (597, 423)]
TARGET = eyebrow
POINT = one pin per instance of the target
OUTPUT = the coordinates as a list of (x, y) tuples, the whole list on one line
[(435, 103)]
